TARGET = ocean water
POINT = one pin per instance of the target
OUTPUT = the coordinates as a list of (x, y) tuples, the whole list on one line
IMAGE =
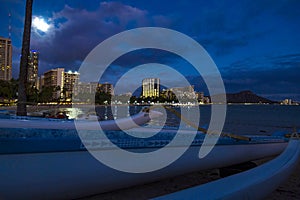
[(240, 119), (262, 119)]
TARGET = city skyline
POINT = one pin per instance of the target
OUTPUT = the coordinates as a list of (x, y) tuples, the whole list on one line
[(254, 44)]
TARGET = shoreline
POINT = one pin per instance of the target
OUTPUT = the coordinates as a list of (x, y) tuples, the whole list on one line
[(31, 107)]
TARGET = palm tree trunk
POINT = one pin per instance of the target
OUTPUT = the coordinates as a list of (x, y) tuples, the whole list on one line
[(22, 97)]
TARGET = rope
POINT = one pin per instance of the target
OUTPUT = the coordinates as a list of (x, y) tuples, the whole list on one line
[(294, 134)]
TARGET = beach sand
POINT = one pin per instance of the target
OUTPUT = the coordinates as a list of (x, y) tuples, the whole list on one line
[(290, 189)]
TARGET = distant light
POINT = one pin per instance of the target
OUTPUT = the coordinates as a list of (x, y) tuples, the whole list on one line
[(34, 51), (70, 72)]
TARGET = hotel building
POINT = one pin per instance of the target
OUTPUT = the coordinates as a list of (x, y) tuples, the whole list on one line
[(70, 79), (106, 88), (55, 78), (182, 92), (85, 92), (93, 87), (33, 65), (5, 59), (86, 88), (41, 82), (62, 81), (150, 87)]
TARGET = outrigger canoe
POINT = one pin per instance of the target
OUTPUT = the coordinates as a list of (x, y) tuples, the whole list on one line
[(254, 184), (11, 121), (38, 163)]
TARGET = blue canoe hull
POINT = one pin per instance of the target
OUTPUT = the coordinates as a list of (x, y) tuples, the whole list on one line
[(39, 164)]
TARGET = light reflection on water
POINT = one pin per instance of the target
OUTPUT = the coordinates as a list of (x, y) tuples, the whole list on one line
[(117, 112), (240, 119)]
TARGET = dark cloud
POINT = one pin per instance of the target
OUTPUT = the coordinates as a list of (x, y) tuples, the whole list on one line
[(143, 56), (289, 10), (276, 76), (78, 31), (223, 27), (136, 58)]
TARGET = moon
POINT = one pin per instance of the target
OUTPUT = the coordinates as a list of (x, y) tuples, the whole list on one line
[(40, 24)]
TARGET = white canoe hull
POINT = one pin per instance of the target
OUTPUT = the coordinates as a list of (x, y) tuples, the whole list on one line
[(118, 124), (69, 175), (254, 184)]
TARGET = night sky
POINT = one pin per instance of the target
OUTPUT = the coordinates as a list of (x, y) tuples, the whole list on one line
[(254, 43)]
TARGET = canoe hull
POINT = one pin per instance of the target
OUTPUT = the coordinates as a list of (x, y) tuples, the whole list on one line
[(133, 121), (67, 175), (254, 184)]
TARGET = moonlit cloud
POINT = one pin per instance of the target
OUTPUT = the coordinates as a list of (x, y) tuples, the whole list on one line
[(40, 24), (78, 31)]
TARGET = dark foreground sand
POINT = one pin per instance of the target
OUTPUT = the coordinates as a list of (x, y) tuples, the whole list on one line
[(290, 189)]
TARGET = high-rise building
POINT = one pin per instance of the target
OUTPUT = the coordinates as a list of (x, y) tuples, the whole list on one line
[(86, 88), (5, 59), (55, 78), (63, 82), (41, 82), (184, 92), (33, 65), (70, 79), (106, 88), (150, 87), (200, 97)]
